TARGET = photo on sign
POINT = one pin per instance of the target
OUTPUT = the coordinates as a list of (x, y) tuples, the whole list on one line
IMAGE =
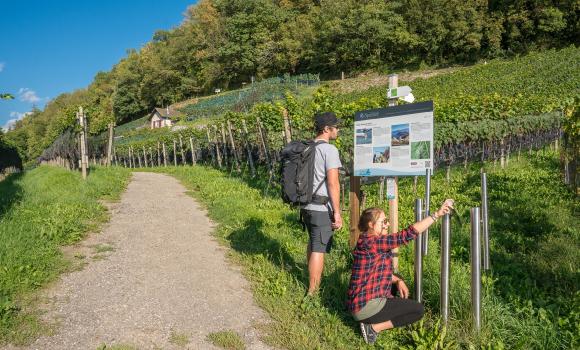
[(421, 150), (364, 136), (381, 154), (400, 135)]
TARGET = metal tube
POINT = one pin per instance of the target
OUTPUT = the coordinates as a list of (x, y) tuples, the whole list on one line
[(475, 269), (444, 279), (418, 255), (425, 238), (484, 222)]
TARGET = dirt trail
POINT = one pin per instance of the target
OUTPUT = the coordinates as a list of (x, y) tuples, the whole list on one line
[(155, 277)]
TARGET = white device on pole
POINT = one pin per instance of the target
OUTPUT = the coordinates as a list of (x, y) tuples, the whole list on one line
[(399, 92), (403, 92), (408, 98)]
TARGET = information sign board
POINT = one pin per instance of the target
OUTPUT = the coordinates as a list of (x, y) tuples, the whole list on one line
[(394, 141)]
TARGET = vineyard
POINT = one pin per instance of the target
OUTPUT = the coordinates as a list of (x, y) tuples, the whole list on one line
[(517, 119), (243, 100), (486, 112)]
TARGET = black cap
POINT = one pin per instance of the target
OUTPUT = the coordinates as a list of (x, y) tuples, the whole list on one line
[(326, 119)]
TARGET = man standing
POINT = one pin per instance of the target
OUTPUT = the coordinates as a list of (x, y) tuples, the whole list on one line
[(322, 219)]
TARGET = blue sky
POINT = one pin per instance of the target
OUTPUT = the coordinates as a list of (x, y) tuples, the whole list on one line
[(54, 46)]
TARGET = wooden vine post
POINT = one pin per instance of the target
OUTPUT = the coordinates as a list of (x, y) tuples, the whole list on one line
[(224, 144), (210, 147), (145, 157), (181, 148), (261, 151), (193, 160), (83, 142), (217, 148), (235, 154), (287, 131), (139, 159), (264, 143), (248, 149), (131, 162), (174, 152), (164, 155), (110, 144), (158, 154)]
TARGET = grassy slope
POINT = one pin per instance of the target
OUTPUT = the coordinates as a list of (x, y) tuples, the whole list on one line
[(39, 211), (530, 301)]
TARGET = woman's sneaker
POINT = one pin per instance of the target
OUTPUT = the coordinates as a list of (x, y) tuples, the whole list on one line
[(368, 333)]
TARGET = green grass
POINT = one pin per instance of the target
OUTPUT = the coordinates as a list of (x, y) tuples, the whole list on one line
[(530, 300), (228, 340), (116, 347), (179, 339), (103, 248), (40, 210)]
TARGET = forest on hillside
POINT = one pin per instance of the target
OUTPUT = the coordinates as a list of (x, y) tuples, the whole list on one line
[(223, 43)]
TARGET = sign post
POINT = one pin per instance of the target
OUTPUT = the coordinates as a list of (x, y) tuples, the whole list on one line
[(394, 195)]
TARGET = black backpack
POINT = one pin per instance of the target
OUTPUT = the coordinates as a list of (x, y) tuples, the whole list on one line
[(297, 173)]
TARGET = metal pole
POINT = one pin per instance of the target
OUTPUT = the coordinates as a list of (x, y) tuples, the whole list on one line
[(475, 269), (444, 279), (425, 238), (418, 255), (484, 222)]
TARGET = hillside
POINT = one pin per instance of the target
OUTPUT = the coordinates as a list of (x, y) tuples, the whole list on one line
[(223, 44), (484, 105)]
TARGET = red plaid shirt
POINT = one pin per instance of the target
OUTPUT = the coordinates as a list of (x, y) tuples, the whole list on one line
[(372, 269)]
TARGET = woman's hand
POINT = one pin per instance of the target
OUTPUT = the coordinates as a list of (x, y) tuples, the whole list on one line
[(445, 208), (403, 289)]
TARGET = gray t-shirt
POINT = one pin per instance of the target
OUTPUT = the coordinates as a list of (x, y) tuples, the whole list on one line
[(326, 158)]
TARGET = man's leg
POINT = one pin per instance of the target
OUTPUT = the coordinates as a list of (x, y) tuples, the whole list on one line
[(315, 267), (319, 243)]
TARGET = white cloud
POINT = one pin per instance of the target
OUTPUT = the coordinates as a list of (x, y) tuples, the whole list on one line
[(2, 65), (27, 95), (16, 116)]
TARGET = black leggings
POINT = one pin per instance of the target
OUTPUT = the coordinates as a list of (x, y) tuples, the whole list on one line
[(399, 311)]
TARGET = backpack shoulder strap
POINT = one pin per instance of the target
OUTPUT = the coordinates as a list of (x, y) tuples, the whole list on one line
[(316, 143)]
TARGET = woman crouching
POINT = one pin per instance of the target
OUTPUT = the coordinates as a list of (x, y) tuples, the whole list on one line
[(369, 294)]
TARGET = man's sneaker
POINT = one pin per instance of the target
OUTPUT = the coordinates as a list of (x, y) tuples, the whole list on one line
[(368, 333)]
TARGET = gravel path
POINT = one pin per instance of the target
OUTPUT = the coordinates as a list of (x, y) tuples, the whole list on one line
[(155, 278)]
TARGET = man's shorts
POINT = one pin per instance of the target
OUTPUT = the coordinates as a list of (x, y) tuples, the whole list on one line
[(319, 226)]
